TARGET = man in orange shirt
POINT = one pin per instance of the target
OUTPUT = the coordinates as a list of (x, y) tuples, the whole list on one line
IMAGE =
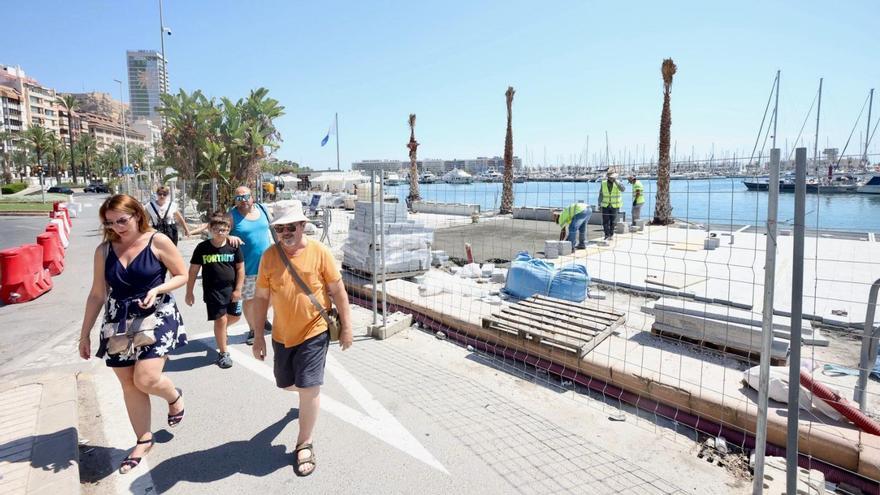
[(300, 337)]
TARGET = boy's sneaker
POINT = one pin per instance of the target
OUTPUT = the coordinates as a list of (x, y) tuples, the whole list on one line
[(250, 338), (224, 360)]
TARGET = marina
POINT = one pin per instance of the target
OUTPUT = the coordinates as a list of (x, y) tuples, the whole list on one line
[(707, 201)]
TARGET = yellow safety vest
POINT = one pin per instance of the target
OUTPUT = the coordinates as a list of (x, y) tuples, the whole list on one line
[(637, 186), (569, 213), (611, 198)]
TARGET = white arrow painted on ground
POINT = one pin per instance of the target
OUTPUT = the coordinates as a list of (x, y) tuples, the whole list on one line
[(377, 421)]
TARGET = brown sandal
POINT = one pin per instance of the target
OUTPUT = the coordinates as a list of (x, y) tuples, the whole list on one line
[(298, 468)]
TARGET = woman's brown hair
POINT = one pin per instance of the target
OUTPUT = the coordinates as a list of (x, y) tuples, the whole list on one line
[(123, 203)]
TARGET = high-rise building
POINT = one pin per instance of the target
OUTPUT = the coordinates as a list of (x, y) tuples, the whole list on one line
[(147, 79)]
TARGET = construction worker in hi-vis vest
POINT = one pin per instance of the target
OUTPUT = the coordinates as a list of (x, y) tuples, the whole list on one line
[(610, 200)]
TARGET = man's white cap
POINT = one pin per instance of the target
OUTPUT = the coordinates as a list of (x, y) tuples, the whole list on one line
[(288, 211)]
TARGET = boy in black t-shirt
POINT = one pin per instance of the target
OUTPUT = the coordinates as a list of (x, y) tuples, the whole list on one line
[(222, 278)]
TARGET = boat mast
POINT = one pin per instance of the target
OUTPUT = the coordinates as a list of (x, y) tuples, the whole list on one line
[(816, 139), (868, 130)]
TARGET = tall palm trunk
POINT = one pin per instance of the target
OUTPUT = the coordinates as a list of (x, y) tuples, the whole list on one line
[(70, 142), (413, 167), (663, 207), (507, 189)]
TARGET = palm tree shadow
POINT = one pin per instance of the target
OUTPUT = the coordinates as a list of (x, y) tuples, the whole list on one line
[(256, 457)]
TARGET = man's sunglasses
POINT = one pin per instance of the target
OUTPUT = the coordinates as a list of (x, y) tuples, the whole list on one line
[(289, 227), (119, 221), (242, 197)]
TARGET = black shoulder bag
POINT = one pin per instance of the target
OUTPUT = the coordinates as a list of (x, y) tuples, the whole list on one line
[(163, 226)]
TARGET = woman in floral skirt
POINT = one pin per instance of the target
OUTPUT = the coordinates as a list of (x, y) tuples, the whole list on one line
[(129, 277)]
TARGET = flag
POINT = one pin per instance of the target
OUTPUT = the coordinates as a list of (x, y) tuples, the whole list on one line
[(331, 130)]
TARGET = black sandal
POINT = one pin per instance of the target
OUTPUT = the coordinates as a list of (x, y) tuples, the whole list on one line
[(130, 462), (175, 419), (298, 468)]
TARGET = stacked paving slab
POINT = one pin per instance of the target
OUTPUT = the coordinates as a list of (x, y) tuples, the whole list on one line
[(407, 242)]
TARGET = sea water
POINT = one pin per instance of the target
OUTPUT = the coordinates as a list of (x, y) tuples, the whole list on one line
[(712, 201)]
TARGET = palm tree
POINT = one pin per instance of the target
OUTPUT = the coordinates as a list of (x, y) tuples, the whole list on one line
[(215, 166), (188, 118), (258, 113), (70, 105), (58, 155), (87, 150), (663, 208), (107, 161), (137, 155), (413, 167), (507, 189), (37, 139)]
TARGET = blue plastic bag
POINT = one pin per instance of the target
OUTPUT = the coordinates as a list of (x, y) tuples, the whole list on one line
[(570, 283), (528, 276)]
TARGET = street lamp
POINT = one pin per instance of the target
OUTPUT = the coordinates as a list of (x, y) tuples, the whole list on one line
[(124, 132)]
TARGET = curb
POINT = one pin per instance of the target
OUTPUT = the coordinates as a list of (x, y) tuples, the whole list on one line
[(53, 466), (24, 213)]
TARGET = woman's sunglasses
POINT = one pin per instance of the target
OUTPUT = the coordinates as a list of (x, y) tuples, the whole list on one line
[(161, 194), (119, 221), (290, 227), (242, 197)]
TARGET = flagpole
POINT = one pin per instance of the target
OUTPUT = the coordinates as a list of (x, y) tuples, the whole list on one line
[(337, 141)]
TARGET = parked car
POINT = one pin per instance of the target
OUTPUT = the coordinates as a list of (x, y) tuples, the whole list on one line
[(60, 190), (97, 187)]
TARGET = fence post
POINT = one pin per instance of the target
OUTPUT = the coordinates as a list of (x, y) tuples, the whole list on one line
[(767, 327), (869, 348), (382, 247), (373, 240), (797, 303), (213, 195)]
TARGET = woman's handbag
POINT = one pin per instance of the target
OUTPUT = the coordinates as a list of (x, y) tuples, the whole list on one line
[(136, 333)]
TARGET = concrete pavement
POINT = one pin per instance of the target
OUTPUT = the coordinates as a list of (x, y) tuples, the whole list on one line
[(404, 415)]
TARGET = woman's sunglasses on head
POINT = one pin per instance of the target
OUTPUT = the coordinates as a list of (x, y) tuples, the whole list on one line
[(119, 221), (289, 227)]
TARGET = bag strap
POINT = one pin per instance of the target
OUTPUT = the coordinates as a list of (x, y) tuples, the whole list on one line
[(299, 281)]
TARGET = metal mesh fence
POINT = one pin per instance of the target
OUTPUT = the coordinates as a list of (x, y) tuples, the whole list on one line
[(662, 323)]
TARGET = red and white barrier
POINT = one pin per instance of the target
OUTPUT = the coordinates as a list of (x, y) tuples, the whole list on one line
[(57, 225), (53, 253), (22, 276)]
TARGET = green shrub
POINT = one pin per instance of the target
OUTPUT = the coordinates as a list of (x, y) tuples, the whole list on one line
[(13, 188)]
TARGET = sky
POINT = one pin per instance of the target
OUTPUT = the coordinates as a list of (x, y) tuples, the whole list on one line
[(579, 68)]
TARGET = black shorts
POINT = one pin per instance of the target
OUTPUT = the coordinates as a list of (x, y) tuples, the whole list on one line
[(301, 365), (217, 311)]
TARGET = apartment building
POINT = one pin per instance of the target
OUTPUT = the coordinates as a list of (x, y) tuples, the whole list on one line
[(38, 103), (109, 133)]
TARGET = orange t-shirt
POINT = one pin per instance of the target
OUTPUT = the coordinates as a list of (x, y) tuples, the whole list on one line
[(295, 317)]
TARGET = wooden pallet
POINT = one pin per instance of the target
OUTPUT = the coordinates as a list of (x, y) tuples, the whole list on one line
[(388, 276), (557, 324)]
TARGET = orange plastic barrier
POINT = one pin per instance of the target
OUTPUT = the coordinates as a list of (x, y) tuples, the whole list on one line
[(53, 253), (22, 276)]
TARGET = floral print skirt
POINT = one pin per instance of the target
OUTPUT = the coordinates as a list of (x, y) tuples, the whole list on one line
[(169, 331)]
